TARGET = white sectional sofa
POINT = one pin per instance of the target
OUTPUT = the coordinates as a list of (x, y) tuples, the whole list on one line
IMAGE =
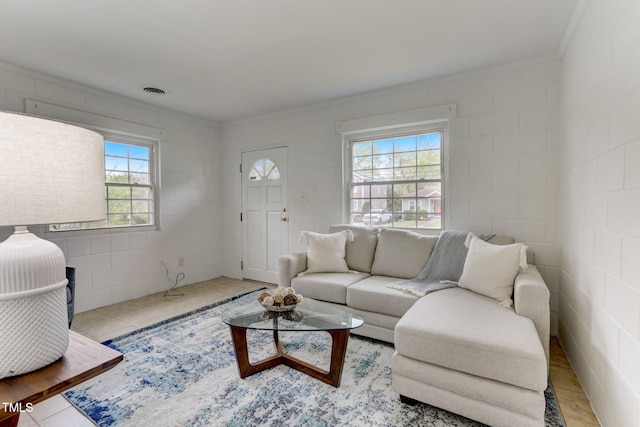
[(456, 349)]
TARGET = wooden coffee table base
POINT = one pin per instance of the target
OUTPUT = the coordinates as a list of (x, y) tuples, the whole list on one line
[(331, 377)]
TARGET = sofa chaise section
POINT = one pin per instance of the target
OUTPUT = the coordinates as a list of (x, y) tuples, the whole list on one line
[(455, 338)]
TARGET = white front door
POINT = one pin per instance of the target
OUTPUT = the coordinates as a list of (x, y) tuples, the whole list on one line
[(265, 213)]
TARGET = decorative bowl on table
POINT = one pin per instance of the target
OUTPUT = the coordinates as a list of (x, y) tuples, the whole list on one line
[(280, 309), (280, 299)]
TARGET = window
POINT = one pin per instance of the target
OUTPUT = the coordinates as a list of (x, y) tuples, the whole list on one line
[(395, 179), (130, 186), (264, 169)]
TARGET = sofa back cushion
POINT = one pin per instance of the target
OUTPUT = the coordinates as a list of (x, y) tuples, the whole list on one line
[(508, 240), (360, 251), (402, 253)]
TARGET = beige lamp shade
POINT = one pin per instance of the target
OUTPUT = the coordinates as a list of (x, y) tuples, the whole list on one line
[(50, 172)]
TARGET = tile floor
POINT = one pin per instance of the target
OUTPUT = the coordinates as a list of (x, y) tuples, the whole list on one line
[(111, 321)]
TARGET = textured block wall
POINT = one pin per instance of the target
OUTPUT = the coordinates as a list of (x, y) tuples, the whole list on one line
[(599, 312), (503, 166), (120, 266)]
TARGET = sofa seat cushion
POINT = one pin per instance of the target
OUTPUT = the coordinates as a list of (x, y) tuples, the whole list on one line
[(372, 294), (331, 287), (459, 329)]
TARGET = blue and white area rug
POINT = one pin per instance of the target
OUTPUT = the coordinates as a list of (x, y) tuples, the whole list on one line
[(183, 372)]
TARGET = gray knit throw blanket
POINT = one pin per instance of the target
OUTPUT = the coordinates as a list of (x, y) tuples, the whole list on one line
[(444, 267)]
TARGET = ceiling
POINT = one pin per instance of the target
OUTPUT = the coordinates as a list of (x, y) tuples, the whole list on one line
[(224, 60)]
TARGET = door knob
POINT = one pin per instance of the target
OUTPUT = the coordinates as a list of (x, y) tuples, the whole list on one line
[(284, 218)]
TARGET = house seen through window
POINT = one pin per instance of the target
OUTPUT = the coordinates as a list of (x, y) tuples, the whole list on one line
[(130, 187), (396, 181)]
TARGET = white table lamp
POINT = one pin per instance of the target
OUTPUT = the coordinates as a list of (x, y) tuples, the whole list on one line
[(50, 172)]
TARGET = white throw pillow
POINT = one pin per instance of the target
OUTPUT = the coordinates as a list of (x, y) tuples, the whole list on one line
[(490, 270), (326, 252)]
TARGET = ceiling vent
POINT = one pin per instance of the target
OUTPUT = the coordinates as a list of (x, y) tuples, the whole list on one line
[(154, 90)]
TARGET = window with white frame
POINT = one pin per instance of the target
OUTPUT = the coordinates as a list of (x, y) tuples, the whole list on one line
[(130, 186), (396, 178)]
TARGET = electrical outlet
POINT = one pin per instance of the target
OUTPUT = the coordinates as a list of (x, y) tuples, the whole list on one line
[(181, 261), (304, 198)]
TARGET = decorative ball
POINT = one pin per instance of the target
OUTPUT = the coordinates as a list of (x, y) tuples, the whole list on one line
[(290, 299), (263, 295), (280, 292), (268, 301)]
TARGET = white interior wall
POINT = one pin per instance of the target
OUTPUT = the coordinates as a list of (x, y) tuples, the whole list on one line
[(503, 157), (120, 266), (599, 313)]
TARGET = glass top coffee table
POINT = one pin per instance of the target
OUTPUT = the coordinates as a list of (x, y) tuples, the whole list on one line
[(309, 316)]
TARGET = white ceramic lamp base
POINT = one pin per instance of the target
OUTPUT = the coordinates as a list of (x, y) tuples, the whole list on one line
[(33, 304)]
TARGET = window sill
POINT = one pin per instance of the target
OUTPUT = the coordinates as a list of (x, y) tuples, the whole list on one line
[(99, 231)]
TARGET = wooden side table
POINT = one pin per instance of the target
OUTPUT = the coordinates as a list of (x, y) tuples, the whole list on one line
[(84, 359)]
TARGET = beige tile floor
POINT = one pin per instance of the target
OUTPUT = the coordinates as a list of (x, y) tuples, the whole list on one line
[(114, 320)]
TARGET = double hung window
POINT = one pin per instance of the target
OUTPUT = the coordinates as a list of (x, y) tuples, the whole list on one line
[(396, 179), (130, 186)]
